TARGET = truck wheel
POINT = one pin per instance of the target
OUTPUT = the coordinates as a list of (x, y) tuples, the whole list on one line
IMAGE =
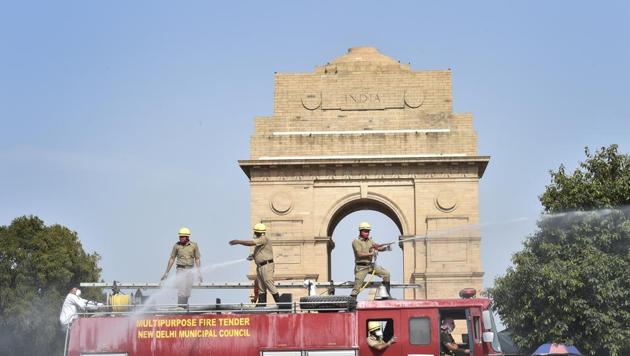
[(328, 302)]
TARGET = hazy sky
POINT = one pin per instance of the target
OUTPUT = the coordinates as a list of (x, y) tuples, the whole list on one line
[(125, 120)]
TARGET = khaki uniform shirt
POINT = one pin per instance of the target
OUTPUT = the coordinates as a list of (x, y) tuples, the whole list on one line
[(263, 250), (186, 254), (363, 246)]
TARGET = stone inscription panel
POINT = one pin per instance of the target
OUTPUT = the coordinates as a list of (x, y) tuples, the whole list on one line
[(363, 98)]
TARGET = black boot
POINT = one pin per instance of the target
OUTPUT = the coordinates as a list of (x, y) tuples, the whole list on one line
[(262, 301), (276, 297)]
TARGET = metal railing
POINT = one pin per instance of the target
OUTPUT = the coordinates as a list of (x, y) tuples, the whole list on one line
[(222, 308), (240, 285)]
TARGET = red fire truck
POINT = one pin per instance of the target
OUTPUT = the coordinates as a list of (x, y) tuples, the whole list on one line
[(297, 329)]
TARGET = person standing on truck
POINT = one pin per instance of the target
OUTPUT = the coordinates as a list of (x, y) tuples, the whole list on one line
[(375, 336), (187, 255), (364, 251), (73, 304), (448, 346), (263, 257)]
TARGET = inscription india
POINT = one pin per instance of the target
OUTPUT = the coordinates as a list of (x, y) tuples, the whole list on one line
[(363, 99)]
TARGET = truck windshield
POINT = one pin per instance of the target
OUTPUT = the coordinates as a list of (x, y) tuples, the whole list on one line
[(488, 318)]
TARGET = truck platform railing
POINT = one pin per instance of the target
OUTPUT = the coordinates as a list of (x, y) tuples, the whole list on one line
[(222, 308), (240, 285), (317, 300)]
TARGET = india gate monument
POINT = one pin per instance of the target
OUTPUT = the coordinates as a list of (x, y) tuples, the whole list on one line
[(364, 132)]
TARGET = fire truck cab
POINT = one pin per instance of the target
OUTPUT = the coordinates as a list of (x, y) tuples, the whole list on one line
[(416, 325), (290, 331)]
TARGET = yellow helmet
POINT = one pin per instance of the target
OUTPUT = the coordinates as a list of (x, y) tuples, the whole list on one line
[(373, 325), (260, 228), (364, 226), (184, 231)]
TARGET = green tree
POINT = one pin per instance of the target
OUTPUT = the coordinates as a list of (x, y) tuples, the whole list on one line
[(38, 265), (570, 283), (602, 181)]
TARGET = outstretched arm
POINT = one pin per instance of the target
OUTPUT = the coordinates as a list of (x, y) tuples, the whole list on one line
[(385, 345), (243, 242), (85, 304), (382, 247)]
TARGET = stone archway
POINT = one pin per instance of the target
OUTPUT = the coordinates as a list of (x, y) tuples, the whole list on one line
[(381, 215), (355, 203), (365, 132), (351, 204)]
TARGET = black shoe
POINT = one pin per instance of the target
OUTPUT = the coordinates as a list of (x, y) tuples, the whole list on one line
[(262, 301), (276, 297)]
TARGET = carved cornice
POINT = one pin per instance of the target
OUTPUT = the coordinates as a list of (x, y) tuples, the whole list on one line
[(289, 277), (447, 275), (451, 238), (470, 167)]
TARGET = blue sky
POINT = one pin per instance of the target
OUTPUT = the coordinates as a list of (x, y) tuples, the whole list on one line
[(125, 120)]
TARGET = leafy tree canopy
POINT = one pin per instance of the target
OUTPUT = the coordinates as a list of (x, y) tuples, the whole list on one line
[(602, 181), (570, 282), (38, 266)]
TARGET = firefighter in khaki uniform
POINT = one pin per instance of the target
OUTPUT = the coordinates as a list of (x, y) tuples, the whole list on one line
[(448, 346), (375, 336), (187, 254), (364, 249), (263, 257)]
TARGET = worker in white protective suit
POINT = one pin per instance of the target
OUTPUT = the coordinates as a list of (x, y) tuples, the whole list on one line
[(73, 304)]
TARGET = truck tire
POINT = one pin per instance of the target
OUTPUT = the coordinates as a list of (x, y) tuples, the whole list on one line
[(328, 302)]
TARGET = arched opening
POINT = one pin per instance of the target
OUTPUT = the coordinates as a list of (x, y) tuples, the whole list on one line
[(363, 204), (343, 228)]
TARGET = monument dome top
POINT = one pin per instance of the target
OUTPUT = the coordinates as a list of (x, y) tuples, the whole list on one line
[(364, 54), (362, 59)]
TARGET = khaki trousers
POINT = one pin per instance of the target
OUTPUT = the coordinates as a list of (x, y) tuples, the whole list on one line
[(264, 275), (361, 271), (184, 278)]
